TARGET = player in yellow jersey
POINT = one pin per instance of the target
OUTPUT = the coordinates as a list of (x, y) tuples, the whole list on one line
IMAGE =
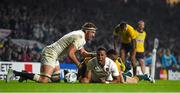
[(127, 35), (140, 39), (65, 46)]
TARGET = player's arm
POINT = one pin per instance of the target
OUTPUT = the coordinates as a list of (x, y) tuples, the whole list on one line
[(115, 42), (85, 54), (116, 36), (71, 54), (116, 79), (87, 78), (121, 79), (115, 74)]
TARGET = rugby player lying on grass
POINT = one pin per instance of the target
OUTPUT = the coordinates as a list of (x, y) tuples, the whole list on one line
[(100, 69)]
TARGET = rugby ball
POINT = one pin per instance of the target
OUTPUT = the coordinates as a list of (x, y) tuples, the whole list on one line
[(70, 77)]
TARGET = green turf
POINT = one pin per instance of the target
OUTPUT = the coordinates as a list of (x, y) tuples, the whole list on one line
[(159, 86)]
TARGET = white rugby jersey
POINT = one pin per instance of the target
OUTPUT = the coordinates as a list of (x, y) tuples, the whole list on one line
[(110, 69), (60, 47)]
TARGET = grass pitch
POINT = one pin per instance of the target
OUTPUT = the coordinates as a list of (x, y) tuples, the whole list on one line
[(143, 86)]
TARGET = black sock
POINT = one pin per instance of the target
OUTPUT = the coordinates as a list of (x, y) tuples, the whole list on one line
[(24, 74)]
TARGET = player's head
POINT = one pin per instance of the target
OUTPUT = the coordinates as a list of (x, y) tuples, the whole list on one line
[(90, 30), (141, 25), (168, 52), (112, 54), (101, 55), (121, 27)]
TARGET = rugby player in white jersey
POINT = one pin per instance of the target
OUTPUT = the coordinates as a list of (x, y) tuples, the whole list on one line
[(68, 45), (101, 69)]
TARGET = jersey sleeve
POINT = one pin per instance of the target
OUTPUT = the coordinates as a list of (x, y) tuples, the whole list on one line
[(115, 71)]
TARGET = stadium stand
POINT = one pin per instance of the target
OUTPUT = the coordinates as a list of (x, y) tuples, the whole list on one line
[(47, 20)]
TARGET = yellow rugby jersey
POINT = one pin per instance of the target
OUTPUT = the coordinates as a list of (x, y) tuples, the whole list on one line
[(128, 35), (120, 65), (140, 42)]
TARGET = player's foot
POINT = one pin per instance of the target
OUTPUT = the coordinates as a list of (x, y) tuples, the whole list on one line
[(128, 73), (150, 79), (10, 75)]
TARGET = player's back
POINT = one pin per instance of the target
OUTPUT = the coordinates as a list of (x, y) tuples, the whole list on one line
[(128, 35), (61, 46)]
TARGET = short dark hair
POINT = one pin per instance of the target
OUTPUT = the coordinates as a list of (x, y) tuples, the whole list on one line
[(101, 49), (120, 26), (89, 26)]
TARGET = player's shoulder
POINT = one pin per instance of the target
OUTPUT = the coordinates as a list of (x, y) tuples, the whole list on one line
[(92, 61), (109, 61), (77, 34), (131, 28)]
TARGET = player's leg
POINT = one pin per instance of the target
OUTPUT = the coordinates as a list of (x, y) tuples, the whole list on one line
[(140, 58), (141, 61), (128, 79), (56, 74), (145, 77), (46, 71), (129, 50), (131, 80), (123, 55), (137, 78), (47, 68), (133, 60), (48, 65)]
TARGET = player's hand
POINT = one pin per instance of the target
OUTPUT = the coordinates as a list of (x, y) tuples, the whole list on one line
[(80, 66), (103, 80)]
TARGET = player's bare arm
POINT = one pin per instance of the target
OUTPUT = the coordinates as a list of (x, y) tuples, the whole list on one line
[(116, 79), (115, 42), (85, 53), (87, 78), (71, 54)]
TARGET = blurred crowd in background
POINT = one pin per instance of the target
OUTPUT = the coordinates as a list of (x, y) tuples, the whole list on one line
[(46, 21)]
